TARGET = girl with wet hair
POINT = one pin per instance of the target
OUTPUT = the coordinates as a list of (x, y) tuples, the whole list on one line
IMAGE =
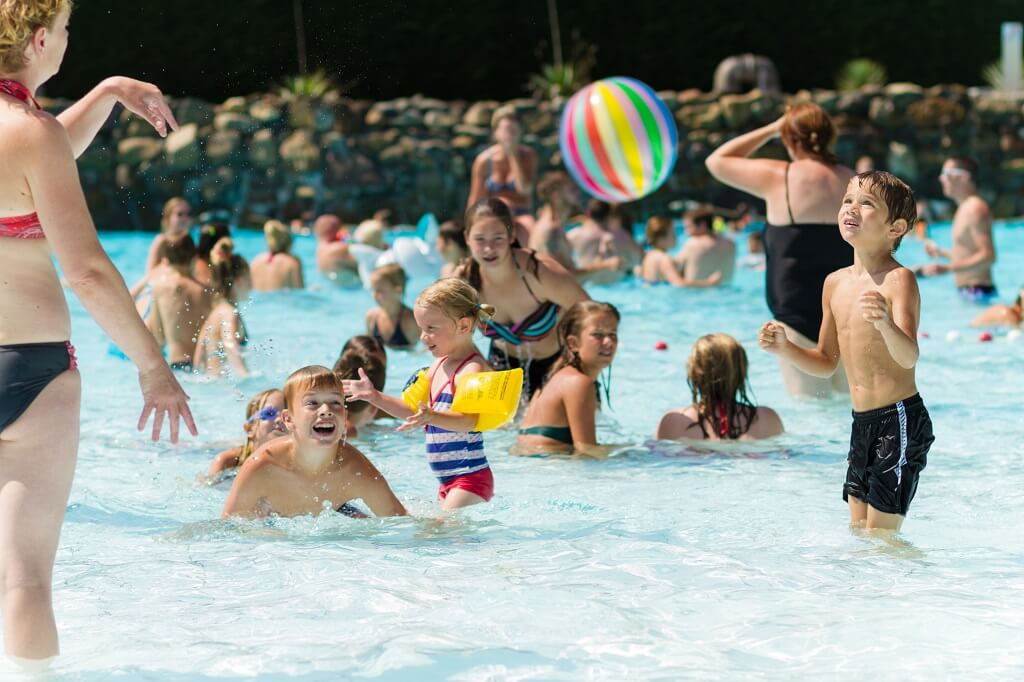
[(561, 414), (223, 332), (527, 291), (262, 423), (721, 410), (277, 268), (802, 240)]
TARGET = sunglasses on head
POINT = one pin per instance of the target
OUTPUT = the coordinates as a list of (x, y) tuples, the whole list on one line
[(267, 414)]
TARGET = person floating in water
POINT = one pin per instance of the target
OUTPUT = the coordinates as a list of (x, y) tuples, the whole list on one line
[(870, 316), (312, 469), (973, 252)]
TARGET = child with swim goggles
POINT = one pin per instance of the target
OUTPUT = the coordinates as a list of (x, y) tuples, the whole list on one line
[(447, 312), (263, 423)]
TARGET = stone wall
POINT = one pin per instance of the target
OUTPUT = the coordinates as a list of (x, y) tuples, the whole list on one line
[(266, 156)]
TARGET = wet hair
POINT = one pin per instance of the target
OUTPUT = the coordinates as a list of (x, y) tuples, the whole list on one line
[(210, 234), (897, 196), (169, 206), (572, 324), (226, 268), (279, 238), (452, 233), (657, 228), (502, 113), (391, 273), (598, 210), (717, 375), (965, 163), (490, 207), (19, 20), (456, 299), (326, 224), (702, 216), (180, 251), (551, 184), (309, 378), (807, 127), (365, 344), (347, 368), (371, 233), (256, 403)]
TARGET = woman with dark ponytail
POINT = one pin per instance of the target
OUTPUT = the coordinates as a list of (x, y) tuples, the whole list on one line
[(527, 291), (223, 333), (562, 412)]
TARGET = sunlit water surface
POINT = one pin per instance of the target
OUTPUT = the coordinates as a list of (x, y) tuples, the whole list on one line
[(661, 562)]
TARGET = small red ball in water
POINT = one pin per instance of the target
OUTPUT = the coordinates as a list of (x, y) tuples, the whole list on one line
[(924, 335), (661, 345), (984, 336)]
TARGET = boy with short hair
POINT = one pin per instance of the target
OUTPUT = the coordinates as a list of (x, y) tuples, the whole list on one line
[(871, 311), (313, 467)]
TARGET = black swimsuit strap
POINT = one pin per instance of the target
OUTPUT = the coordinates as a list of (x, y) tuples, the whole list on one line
[(522, 276), (785, 181)]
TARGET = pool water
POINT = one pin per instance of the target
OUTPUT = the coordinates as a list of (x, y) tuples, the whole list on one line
[(662, 562)]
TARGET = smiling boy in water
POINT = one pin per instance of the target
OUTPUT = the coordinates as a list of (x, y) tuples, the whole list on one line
[(871, 311), (312, 468)]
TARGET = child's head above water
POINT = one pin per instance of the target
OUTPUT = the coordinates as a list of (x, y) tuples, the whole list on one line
[(717, 375), (589, 335), (659, 229), (447, 312), (391, 276), (262, 420), (877, 199), (306, 392), (279, 238), (179, 251), (347, 368)]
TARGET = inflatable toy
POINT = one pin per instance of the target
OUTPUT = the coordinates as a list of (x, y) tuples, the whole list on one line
[(492, 395), (618, 139)]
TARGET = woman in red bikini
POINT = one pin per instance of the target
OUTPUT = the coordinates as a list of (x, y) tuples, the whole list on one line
[(42, 207)]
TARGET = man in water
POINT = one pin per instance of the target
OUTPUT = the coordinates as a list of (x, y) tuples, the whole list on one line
[(333, 258), (560, 196), (601, 255), (179, 304), (973, 252), (705, 252)]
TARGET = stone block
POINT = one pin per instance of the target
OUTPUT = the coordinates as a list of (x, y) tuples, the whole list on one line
[(181, 148), (230, 120), (263, 149), (223, 146), (132, 151)]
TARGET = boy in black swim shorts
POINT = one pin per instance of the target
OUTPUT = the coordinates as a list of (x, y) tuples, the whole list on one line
[(871, 312)]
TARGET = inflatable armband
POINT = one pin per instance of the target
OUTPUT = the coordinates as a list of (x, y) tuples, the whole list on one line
[(417, 390), (494, 396)]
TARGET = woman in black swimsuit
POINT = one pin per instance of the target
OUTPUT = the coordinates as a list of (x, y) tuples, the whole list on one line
[(42, 214), (802, 241)]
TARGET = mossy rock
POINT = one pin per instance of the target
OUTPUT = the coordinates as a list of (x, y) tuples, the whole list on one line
[(223, 146), (230, 120), (181, 148), (132, 151), (263, 149)]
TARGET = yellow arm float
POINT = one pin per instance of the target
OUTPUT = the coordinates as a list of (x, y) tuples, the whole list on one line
[(494, 396), (417, 390)]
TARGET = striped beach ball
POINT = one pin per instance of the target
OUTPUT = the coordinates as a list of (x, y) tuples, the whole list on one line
[(618, 139)]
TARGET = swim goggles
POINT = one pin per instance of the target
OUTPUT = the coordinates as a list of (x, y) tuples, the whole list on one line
[(267, 414)]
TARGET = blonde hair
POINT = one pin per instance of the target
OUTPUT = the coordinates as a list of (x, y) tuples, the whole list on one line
[(279, 239), (169, 206), (657, 228), (225, 268), (717, 376), (19, 20), (370, 232), (309, 378), (257, 403), (391, 273), (456, 299)]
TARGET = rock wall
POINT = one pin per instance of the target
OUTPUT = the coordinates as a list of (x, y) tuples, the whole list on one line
[(264, 155)]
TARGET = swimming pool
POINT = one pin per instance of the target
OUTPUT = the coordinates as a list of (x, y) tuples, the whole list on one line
[(659, 563)]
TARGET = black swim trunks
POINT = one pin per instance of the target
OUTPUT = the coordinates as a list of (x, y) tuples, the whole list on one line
[(534, 370), (888, 449), (978, 293), (25, 370)]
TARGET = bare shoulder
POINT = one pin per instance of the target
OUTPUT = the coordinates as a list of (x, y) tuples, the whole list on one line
[(902, 278), (766, 423), (838, 276), (977, 208), (675, 424)]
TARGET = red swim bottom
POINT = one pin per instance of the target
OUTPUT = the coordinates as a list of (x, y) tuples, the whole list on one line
[(480, 483)]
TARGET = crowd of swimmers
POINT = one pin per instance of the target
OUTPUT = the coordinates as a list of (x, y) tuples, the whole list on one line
[(845, 317)]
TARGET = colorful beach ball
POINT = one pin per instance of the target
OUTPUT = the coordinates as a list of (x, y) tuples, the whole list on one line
[(618, 139)]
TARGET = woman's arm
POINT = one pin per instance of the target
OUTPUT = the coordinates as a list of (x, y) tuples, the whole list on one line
[(84, 118), (729, 163), (225, 460), (555, 283), (477, 177), (230, 341), (60, 204), (297, 279)]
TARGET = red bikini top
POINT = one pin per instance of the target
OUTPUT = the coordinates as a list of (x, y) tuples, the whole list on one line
[(23, 226)]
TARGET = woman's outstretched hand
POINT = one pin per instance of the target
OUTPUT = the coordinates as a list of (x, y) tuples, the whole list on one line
[(145, 100), (163, 395)]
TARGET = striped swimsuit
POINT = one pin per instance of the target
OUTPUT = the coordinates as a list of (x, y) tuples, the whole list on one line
[(452, 454)]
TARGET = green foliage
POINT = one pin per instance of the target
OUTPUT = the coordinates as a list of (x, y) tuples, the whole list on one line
[(315, 85), (994, 76), (857, 73), (562, 80)]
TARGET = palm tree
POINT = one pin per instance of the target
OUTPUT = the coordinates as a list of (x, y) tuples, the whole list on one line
[(556, 34), (300, 34)]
